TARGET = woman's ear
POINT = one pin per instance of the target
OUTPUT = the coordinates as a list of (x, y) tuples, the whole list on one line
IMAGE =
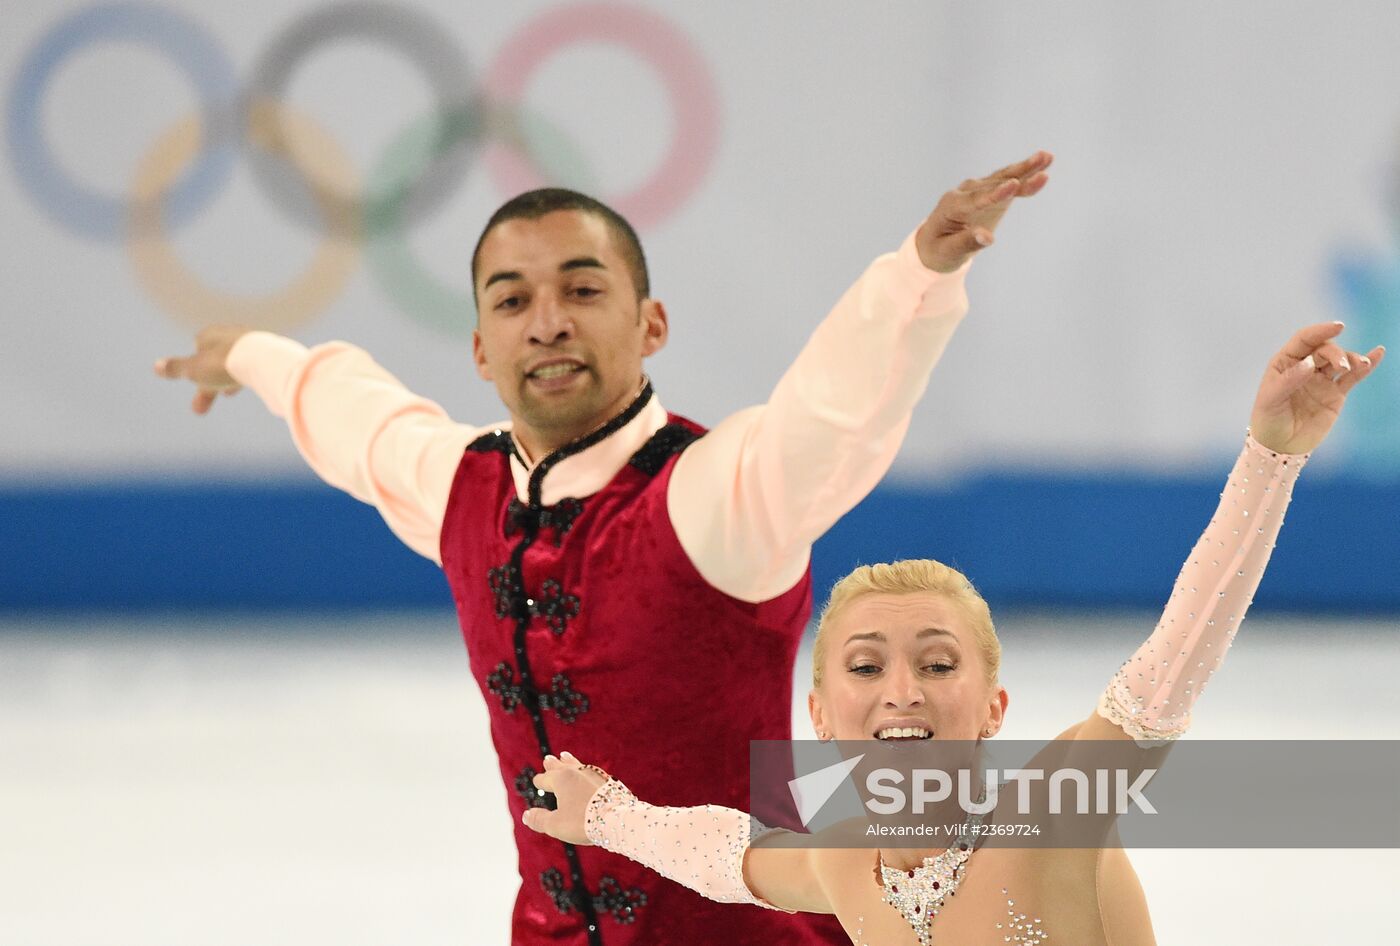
[(996, 712), (814, 709)]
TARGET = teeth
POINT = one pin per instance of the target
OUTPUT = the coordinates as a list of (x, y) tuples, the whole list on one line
[(907, 732), (554, 371)]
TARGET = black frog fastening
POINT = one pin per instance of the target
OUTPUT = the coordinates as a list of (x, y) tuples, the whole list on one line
[(612, 897), (515, 686), (558, 518)]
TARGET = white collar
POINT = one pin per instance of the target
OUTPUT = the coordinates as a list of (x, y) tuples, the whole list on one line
[(586, 472)]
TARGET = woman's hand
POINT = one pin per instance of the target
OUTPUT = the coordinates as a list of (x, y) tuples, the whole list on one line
[(573, 786), (1305, 387)]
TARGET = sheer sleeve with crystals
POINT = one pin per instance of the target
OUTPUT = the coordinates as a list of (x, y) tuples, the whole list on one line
[(1151, 695), (702, 847)]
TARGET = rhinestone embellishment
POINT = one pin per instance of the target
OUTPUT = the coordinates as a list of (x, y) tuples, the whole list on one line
[(918, 894)]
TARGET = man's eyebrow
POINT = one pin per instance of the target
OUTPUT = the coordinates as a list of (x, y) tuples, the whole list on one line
[(578, 262), (877, 636), (500, 275)]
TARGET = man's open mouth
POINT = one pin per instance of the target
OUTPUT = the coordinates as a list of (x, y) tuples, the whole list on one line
[(557, 369)]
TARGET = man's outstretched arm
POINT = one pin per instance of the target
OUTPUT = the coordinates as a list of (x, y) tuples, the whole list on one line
[(356, 425), (750, 498)]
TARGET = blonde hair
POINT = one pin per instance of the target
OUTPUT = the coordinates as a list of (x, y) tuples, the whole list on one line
[(911, 576)]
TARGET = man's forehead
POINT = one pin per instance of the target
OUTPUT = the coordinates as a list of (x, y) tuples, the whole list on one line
[(546, 242)]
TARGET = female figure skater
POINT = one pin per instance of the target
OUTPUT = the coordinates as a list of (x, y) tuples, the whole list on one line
[(908, 650)]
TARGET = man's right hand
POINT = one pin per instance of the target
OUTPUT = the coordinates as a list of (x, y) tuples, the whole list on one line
[(207, 367)]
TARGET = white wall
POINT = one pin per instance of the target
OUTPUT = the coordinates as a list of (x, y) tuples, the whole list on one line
[(1214, 163)]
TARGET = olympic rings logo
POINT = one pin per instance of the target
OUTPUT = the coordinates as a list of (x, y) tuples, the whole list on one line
[(306, 173)]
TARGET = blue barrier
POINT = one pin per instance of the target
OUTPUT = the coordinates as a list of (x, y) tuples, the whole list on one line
[(1026, 540)]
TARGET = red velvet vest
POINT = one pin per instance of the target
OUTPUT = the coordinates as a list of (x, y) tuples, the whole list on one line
[(588, 629)]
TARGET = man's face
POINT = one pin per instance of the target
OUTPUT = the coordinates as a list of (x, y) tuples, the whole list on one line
[(561, 332)]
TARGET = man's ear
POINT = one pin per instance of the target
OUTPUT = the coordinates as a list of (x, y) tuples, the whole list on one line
[(479, 356), (655, 328)]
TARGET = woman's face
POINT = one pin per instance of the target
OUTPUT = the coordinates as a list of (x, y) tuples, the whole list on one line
[(904, 662)]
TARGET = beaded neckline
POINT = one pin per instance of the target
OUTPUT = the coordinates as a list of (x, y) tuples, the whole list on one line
[(918, 894), (597, 435)]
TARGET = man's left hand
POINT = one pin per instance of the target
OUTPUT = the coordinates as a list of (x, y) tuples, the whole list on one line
[(965, 220)]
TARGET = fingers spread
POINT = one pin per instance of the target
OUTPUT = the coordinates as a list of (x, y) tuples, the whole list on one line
[(1031, 187), (1363, 365), (203, 400), (1335, 357), (996, 193), (991, 191), (1306, 340), (1036, 162)]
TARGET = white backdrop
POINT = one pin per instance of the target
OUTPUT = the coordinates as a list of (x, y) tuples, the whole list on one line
[(1214, 163)]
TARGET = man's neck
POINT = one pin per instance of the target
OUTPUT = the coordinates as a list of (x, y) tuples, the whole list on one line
[(535, 444)]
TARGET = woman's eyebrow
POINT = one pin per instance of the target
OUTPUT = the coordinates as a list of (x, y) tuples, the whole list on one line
[(878, 636)]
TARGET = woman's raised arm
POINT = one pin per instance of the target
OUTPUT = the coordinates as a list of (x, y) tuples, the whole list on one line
[(1300, 397)]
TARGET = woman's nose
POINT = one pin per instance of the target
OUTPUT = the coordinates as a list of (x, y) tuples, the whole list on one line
[(902, 687)]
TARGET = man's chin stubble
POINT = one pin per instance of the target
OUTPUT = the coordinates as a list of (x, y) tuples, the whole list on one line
[(559, 418)]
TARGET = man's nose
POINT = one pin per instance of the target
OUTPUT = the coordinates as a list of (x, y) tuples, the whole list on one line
[(550, 322)]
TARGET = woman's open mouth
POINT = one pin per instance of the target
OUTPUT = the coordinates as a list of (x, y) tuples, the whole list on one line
[(903, 734)]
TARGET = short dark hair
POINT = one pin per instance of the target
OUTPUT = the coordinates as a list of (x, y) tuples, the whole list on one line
[(533, 205)]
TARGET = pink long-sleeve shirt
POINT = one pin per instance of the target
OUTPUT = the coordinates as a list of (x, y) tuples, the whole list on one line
[(747, 500)]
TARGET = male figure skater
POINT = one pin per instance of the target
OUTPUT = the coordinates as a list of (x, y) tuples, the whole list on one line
[(611, 562)]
